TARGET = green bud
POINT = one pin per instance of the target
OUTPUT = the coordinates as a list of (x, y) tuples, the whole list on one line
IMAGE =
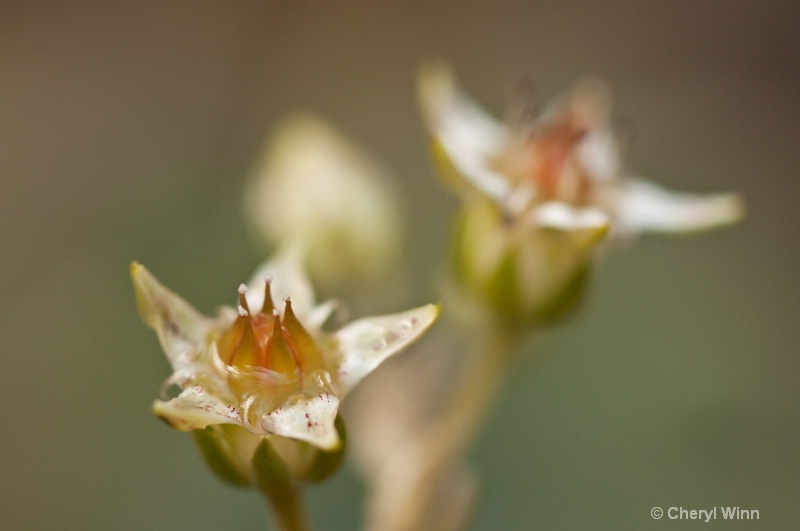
[(322, 464), (524, 273), (226, 449), (270, 472)]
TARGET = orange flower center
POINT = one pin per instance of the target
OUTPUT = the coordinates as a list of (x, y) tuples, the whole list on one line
[(268, 355)]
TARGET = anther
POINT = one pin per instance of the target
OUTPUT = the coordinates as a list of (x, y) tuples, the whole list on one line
[(244, 309)]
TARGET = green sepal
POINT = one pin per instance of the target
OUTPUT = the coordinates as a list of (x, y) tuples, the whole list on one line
[(503, 287), (215, 445), (270, 473), (568, 300), (324, 464)]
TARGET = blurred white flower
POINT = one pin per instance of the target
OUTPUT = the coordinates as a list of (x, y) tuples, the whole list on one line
[(315, 188), (541, 194), (267, 369)]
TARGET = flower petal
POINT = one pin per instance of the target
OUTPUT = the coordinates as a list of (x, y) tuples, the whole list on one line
[(319, 314), (599, 154), (194, 408), (560, 216), (364, 344), (468, 136), (581, 229), (180, 328), (311, 420), (288, 280), (643, 206)]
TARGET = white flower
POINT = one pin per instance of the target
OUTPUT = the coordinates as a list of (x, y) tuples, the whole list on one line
[(567, 157), (268, 366), (542, 193)]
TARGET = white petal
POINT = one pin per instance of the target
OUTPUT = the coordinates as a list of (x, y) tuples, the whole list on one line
[(289, 279), (476, 169), (469, 136), (561, 216), (310, 420), (364, 344), (449, 110), (180, 328), (599, 154), (643, 206), (315, 318), (194, 408)]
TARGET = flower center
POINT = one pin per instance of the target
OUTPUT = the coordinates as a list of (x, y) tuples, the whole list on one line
[(268, 355), (546, 160)]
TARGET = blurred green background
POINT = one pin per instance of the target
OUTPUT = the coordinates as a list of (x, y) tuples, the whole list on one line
[(127, 130)]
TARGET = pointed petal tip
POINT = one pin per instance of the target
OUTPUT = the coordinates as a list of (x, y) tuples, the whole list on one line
[(647, 207), (713, 212), (333, 444), (435, 87), (182, 330), (138, 273), (730, 208), (435, 70)]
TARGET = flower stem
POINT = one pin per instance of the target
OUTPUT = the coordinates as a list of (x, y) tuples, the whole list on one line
[(446, 440), (288, 508), (472, 398)]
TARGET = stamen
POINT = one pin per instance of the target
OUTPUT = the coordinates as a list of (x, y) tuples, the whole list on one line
[(268, 306), (244, 309)]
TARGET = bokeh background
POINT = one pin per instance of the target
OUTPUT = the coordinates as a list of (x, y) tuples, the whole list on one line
[(127, 130)]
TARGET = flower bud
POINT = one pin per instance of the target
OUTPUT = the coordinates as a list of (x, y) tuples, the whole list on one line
[(313, 187), (241, 459), (227, 450), (526, 273)]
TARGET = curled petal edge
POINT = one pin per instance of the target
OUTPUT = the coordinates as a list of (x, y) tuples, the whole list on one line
[(194, 408), (311, 420)]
